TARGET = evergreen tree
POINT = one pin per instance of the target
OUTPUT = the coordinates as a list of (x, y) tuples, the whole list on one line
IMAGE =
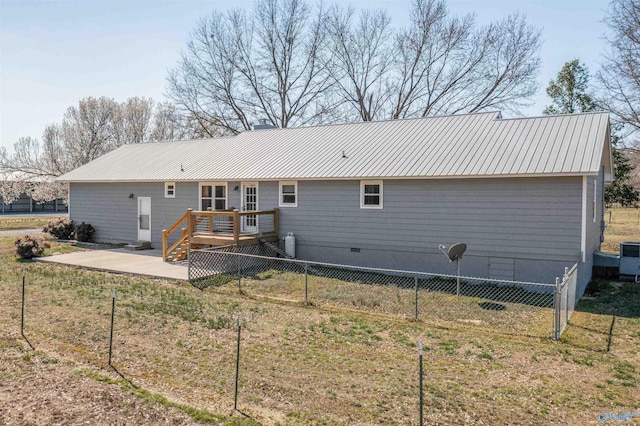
[(568, 91), (569, 94), (620, 191)]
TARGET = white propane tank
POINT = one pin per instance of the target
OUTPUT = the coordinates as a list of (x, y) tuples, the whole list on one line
[(290, 244)]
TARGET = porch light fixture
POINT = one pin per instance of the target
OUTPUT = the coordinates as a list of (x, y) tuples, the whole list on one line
[(235, 188), (131, 195)]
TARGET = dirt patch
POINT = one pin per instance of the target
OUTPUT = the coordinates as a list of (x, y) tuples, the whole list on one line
[(38, 388)]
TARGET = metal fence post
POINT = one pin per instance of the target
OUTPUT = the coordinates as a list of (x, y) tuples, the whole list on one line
[(556, 313), (421, 390), (415, 282), (306, 284), (565, 289), (239, 275), (22, 313), (24, 275), (458, 279), (235, 397), (113, 310), (613, 322)]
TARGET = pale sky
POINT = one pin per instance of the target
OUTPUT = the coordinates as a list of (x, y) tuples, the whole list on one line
[(55, 52)]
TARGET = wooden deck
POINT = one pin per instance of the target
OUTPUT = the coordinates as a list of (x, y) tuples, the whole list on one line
[(228, 239), (197, 229)]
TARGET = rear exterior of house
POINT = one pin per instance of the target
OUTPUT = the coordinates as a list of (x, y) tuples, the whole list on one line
[(524, 226)]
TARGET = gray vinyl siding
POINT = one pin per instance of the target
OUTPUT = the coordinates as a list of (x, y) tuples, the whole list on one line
[(108, 208), (536, 221), (526, 229), (594, 228)]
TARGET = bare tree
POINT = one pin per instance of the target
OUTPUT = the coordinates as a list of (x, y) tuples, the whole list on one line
[(132, 121), (445, 65), (293, 66), (237, 69), (620, 73), (87, 130), (26, 159), (91, 129), (634, 161), (438, 65), (167, 123), (362, 60)]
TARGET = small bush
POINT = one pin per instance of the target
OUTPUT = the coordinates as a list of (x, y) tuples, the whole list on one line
[(60, 227), (84, 232), (29, 246)]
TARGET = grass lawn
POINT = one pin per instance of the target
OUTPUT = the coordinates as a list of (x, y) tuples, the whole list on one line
[(506, 309), (8, 223), (175, 348), (623, 224)]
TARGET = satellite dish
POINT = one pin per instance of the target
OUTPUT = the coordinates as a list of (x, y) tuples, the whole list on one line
[(454, 254), (456, 251)]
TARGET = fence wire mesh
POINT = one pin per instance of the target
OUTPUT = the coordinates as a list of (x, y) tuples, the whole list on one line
[(516, 307)]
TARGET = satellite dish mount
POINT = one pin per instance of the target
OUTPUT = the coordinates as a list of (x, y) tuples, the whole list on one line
[(454, 254)]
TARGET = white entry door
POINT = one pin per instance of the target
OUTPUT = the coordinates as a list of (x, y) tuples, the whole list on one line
[(144, 218), (249, 203)]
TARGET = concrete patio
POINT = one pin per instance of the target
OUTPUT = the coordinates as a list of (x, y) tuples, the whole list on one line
[(143, 262)]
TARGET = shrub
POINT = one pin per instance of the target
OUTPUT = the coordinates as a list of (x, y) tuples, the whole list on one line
[(84, 232), (29, 246), (60, 227)]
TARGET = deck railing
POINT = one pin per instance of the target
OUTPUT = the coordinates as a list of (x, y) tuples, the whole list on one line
[(212, 226)]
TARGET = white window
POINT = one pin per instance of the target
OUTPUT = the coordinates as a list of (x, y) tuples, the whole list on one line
[(289, 194), (169, 190), (213, 195), (370, 194)]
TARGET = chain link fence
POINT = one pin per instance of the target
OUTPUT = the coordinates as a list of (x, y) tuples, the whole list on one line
[(565, 300), (169, 338), (524, 308)]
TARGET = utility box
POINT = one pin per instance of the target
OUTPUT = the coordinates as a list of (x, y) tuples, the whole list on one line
[(630, 258)]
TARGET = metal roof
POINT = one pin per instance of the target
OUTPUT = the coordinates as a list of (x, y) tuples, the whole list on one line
[(470, 145)]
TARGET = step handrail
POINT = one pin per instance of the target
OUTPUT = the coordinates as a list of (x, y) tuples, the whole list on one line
[(178, 242), (192, 218), (166, 232)]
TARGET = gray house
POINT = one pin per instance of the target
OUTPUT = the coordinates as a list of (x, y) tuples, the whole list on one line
[(525, 194)]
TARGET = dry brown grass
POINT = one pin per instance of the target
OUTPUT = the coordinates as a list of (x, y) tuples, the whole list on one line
[(505, 309), (13, 222), (300, 365), (623, 224)]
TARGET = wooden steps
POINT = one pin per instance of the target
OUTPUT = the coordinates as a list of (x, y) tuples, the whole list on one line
[(180, 253), (138, 245), (198, 229)]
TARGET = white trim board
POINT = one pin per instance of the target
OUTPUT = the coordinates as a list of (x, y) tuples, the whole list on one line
[(583, 236), (341, 178)]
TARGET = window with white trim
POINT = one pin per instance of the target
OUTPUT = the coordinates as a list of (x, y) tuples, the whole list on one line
[(169, 190), (288, 193), (213, 195), (370, 194)]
